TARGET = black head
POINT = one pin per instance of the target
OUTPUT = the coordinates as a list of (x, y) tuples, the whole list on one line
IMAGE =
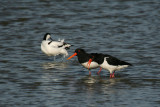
[(79, 50), (46, 36)]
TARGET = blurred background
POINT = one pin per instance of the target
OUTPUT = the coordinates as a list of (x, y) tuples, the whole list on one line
[(126, 29)]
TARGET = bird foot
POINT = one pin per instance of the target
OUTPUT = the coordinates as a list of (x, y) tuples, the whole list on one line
[(112, 75), (98, 73)]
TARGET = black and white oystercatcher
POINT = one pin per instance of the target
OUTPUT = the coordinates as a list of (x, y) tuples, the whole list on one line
[(83, 59), (109, 63)]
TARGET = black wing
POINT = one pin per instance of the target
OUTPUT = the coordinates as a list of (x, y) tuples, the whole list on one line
[(114, 61)]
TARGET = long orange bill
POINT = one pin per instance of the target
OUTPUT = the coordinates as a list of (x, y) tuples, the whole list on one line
[(72, 56), (89, 63)]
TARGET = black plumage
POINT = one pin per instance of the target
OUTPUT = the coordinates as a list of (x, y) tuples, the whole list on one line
[(98, 57)]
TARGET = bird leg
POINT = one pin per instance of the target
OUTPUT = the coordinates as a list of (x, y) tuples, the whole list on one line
[(112, 75), (54, 58), (99, 70), (89, 63), (89, 73)]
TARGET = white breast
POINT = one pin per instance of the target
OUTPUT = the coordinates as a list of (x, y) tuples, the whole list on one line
[(92, 65), (111, 68)]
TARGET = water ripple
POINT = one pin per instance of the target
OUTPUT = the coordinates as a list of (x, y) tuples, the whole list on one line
[(126, 29)]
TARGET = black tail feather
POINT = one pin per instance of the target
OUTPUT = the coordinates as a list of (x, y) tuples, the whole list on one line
[(125, 63)]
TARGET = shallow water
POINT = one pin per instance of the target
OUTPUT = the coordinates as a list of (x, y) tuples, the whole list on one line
[(126, 29)]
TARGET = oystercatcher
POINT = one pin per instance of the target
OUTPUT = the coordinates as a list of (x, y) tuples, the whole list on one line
[(83, 59), (109, 63), (53, 48)]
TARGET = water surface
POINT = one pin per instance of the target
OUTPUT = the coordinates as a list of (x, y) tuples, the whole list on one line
[(126, 29)]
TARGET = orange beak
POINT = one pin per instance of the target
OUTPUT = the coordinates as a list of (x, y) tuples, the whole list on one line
[(72, 56), (89, 63)]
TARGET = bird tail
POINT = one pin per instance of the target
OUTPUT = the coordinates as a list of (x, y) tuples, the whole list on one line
[(126, 63)]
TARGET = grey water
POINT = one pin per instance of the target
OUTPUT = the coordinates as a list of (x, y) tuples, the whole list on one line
[(126, 29)]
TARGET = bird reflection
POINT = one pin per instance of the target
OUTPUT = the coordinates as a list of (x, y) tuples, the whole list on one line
[(55, 65), (90, 80), (96, 84), (98, 79)]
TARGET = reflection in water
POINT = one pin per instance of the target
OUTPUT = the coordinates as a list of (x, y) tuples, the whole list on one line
[(56, 65), (101, 86), (127, 29), (90, 81)]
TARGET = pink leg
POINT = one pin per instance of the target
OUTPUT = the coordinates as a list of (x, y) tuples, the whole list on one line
[(99, 70), (112, 75), (89, 72)]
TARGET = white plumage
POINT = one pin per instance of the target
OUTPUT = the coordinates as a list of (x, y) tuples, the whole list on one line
[(111, 68), (92, 65), (53, 48)]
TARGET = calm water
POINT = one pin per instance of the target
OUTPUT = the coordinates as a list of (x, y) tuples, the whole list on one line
[(126, 29)]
